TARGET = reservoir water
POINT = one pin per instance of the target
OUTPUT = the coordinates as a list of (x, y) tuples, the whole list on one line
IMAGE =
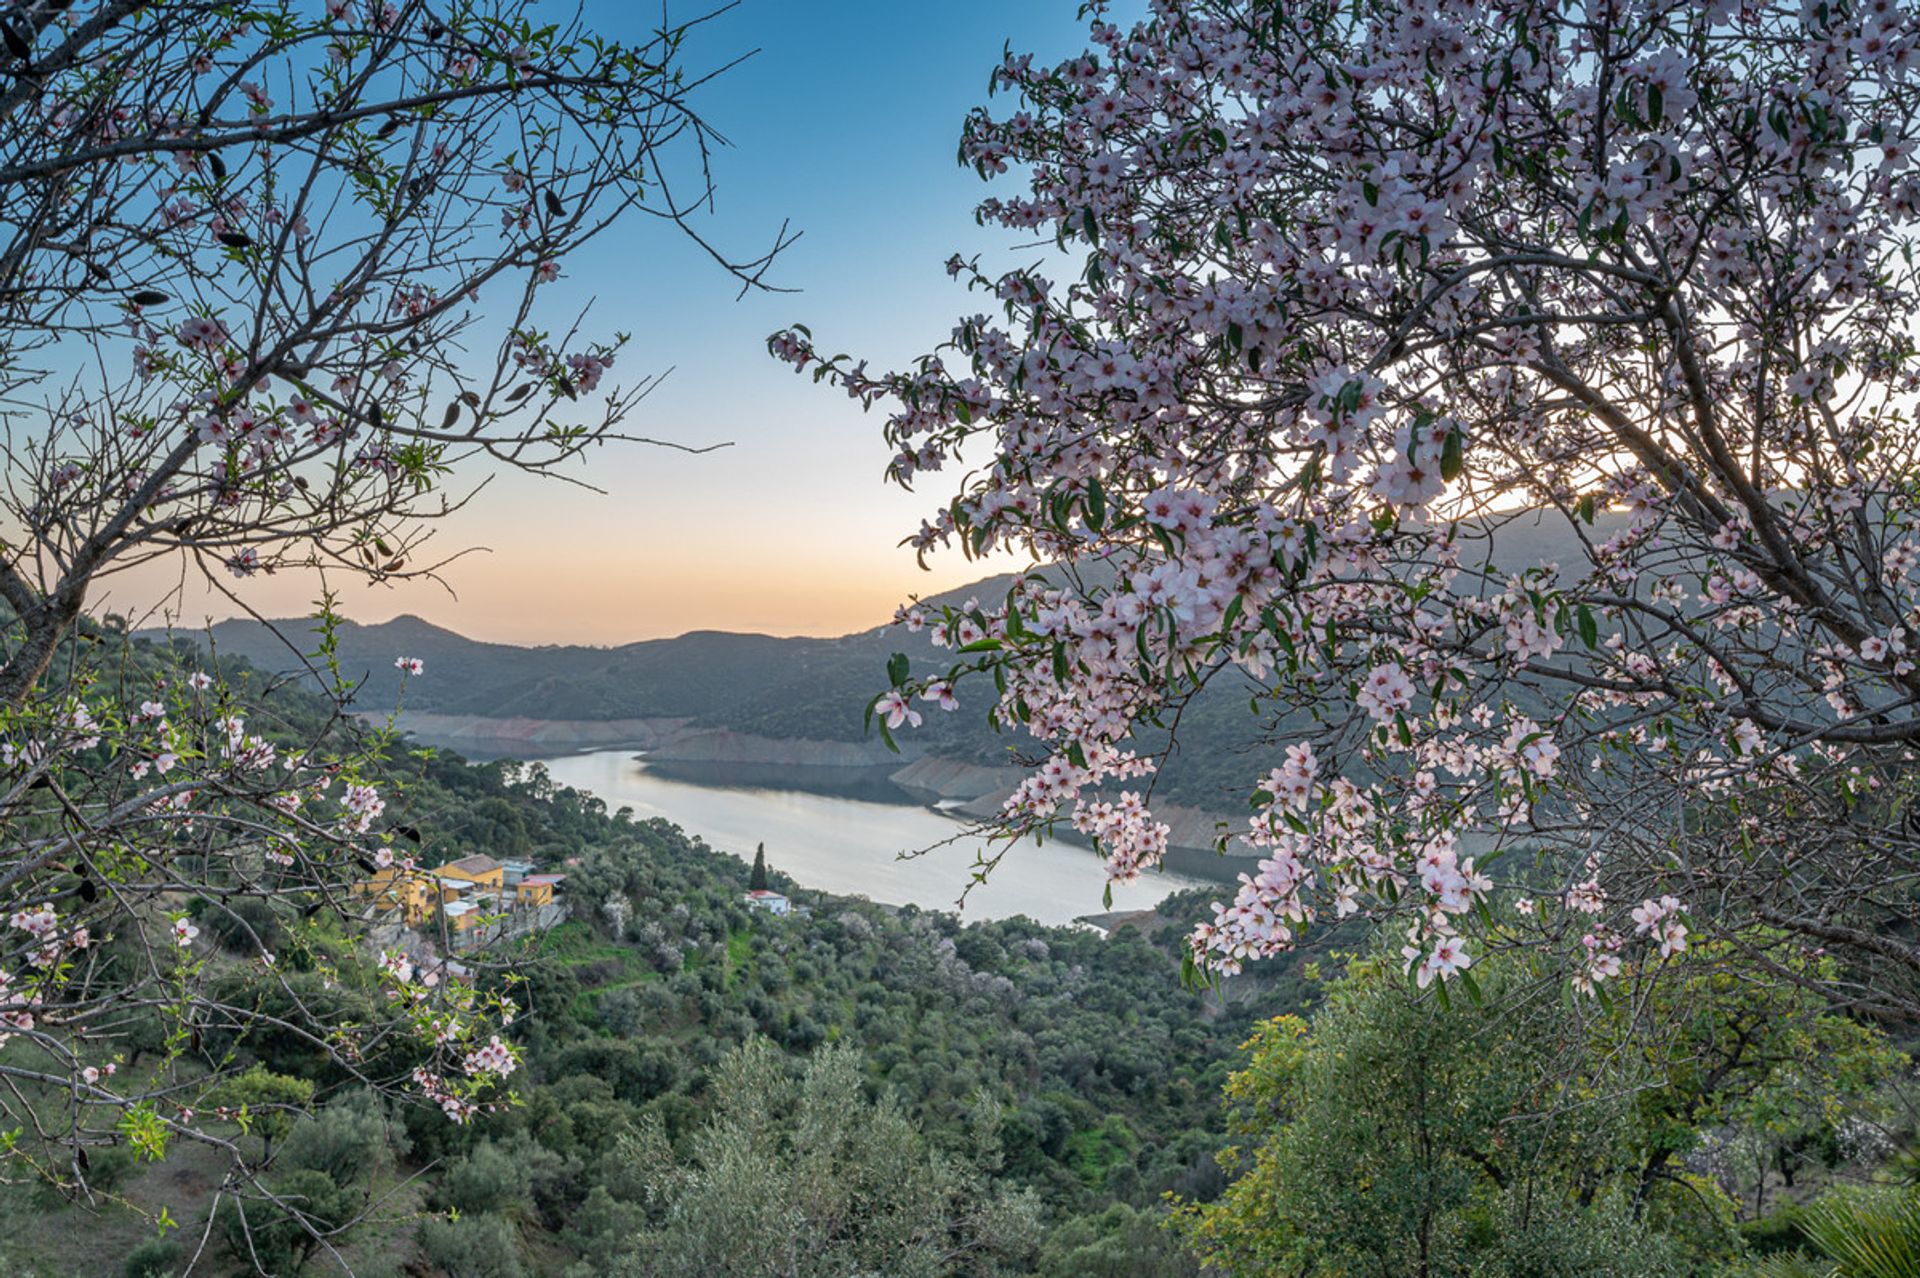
[(852, 846)]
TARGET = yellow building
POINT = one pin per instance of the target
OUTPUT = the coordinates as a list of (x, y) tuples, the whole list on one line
[(413, 892), (536, 889), (461, 895), (485, 873)]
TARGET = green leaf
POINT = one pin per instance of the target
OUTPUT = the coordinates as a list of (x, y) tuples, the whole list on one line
[(1453, 455), (897, 667), (1060, 509)]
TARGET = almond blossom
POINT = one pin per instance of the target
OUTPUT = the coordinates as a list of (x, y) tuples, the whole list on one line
[(1427, 368)]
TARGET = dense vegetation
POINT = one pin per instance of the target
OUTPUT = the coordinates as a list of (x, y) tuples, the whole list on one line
[(711, 1089), (1527, 1135), (784, 688), (1048, 1079)]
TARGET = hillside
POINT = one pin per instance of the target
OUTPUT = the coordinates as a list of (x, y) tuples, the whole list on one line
[(778, 687), (1022, 1099), (806, 691), (700, 1080), (1063, 1080)]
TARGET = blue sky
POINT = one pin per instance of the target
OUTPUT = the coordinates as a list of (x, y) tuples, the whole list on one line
[(845, 123)]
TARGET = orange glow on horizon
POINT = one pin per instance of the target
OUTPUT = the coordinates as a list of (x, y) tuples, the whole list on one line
[(585, 601)]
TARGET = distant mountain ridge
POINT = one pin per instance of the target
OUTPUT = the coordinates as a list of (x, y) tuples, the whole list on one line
[(722, 697), (803, 687)]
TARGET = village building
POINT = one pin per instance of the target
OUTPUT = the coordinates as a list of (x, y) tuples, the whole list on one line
[(462, 916), (482, 872), (770, 901), (413, 893), (472, 901), (536, 889)]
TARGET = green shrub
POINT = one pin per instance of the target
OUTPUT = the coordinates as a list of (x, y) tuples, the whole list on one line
[(490, 1179), (1775, 1232), (482, 1246), (154, 1258)]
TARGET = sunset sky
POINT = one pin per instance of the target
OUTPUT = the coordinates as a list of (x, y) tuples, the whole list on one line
[(846, 123)]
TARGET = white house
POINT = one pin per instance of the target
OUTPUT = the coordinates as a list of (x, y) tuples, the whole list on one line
[(771, 902)]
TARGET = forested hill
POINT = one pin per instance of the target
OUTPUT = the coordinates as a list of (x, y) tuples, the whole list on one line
[(810, 689), (787, 689), (1018, 1094), (779, 687)]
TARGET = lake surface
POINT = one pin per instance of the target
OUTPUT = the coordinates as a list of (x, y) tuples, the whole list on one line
[(852, 846)]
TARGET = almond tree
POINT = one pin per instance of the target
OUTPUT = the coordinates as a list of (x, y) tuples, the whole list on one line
[(1515, 399), (270, 299)]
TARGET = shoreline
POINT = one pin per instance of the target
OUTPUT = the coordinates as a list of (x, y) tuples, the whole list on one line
[(957, 789)]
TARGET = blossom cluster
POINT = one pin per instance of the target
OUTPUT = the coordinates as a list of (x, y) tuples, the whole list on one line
[(181, 755), (1356, 288)]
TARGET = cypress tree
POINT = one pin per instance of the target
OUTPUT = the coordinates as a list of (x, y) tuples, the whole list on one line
[(758, 881)]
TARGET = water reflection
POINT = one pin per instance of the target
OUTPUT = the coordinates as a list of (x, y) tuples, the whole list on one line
[(849, 843)]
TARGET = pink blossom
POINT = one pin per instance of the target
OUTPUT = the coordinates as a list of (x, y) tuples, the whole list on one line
[(202, 334), (1385, 692), (895, 707)]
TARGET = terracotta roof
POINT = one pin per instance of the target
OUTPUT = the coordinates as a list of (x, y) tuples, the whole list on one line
[(762, 894), (544, 878), (475, 864)]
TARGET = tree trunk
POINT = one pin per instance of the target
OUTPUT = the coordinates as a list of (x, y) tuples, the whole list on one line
[(31, 660)]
